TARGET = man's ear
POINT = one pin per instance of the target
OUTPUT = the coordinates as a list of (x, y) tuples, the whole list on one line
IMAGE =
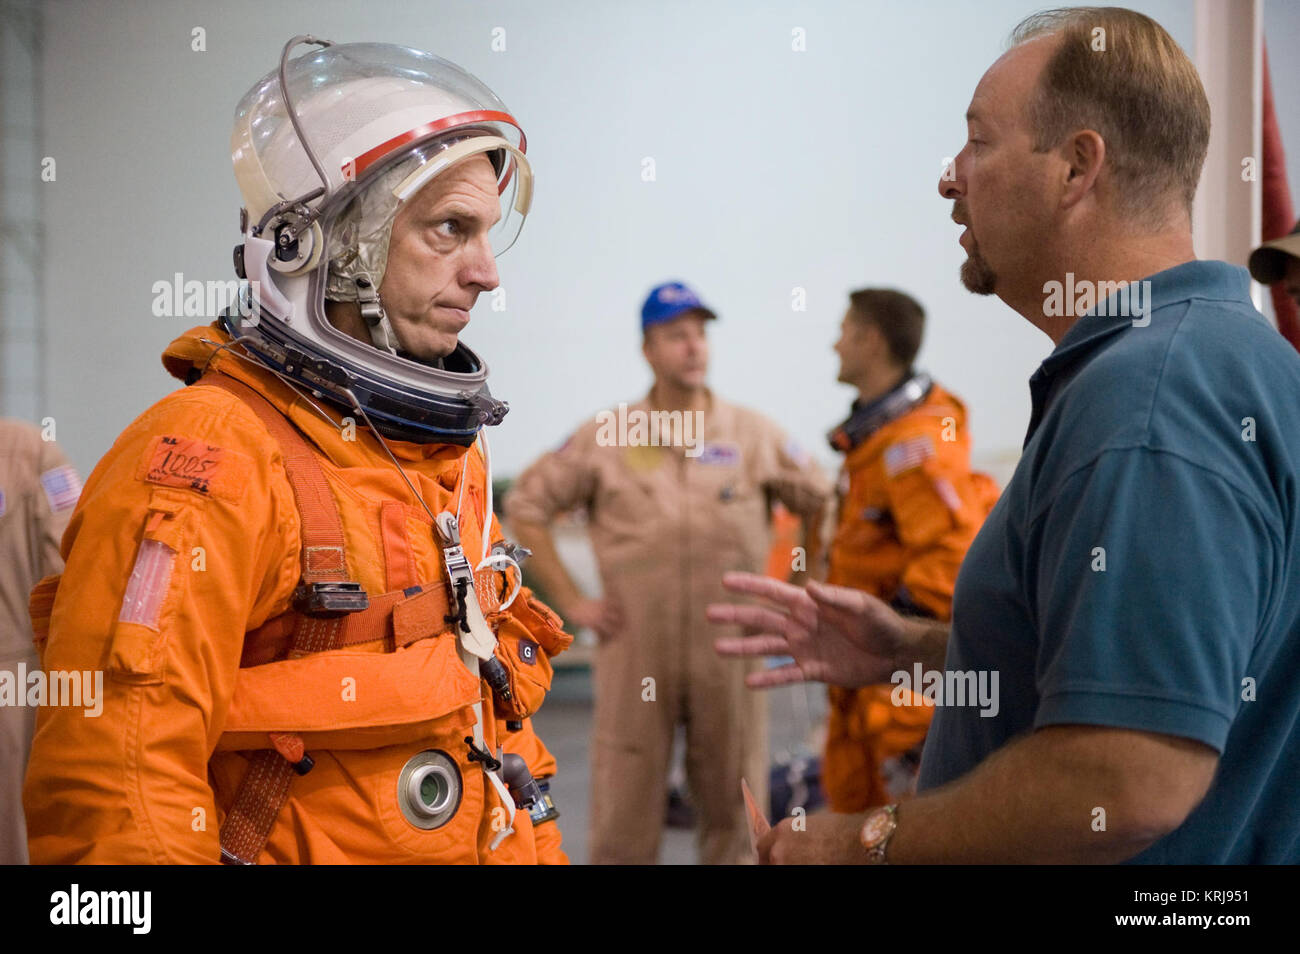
[(1084, 155)]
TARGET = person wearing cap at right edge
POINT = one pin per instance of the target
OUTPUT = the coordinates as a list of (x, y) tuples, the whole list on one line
[(1279, 261), (672, 506)]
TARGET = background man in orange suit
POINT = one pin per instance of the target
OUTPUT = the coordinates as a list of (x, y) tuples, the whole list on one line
[(909, 506)]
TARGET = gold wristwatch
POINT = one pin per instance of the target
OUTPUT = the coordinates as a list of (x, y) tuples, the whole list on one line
[(877, 830)]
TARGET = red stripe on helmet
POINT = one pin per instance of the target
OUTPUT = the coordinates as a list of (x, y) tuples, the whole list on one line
[(369, 158)]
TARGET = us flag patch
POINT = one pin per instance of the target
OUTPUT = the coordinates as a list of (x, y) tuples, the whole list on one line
[(62, 487), (907, 455)]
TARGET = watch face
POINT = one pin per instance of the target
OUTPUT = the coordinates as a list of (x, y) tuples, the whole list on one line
[(876, 828)]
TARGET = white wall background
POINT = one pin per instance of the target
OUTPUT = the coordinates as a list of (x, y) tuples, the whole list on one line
[(775, 169)]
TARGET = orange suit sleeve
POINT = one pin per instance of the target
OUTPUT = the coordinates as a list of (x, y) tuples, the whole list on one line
[(184, 537), (938, 506)]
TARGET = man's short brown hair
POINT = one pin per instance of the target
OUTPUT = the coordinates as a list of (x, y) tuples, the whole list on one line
[(1120, 74), (900, 318)]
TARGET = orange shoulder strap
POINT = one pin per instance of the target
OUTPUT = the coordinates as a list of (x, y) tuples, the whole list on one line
[(322, 529), (325, 596)]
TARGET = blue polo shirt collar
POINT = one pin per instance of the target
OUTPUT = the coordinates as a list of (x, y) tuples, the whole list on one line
[(1197, 279)]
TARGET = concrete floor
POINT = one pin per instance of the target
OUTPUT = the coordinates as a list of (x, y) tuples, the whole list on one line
[(564, 723)]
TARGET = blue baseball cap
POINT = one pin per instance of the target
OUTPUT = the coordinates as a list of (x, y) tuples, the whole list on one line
[(669, 300)]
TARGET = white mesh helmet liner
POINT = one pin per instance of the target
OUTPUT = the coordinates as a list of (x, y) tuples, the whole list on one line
[(358, 236)]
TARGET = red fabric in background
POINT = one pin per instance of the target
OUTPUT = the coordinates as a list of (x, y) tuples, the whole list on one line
[(1278, 216)]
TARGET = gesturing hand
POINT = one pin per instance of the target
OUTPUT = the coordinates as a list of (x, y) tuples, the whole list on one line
[(604, 616), (835, 634), (825, 839)]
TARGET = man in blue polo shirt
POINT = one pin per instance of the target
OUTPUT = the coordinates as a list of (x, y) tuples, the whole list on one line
[(1121, 673)]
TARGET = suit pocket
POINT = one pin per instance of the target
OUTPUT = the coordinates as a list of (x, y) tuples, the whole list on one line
[(137, 648)]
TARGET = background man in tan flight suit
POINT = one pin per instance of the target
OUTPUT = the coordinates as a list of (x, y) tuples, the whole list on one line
[(674, 500), (38, 489)]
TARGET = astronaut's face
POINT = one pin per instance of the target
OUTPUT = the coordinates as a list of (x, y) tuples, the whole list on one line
[(440, 258), (852, 346)]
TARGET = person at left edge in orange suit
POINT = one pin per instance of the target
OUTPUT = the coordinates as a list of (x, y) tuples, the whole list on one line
[(909, 507), (317, 645)]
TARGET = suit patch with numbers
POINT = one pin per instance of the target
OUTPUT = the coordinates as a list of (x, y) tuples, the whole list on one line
[(196, 465)]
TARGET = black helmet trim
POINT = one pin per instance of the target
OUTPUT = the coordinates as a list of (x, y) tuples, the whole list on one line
[(397, 412)]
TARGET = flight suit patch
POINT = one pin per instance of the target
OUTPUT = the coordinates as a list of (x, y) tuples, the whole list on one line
[(528, 651), (62, 487), (796, 453), (908, 455), (719, 455), (195, 465), (642, 457)]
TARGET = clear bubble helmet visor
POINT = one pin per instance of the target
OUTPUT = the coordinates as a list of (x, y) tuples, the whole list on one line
[(366, 126)]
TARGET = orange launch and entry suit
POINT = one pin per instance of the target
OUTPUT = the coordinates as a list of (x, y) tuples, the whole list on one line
[(909, 507), (198, 528)]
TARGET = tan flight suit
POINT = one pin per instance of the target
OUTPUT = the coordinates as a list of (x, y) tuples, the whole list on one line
[(665, 527), (38, 489)]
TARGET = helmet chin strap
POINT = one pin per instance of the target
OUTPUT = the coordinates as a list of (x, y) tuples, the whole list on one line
[(382, 335)]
